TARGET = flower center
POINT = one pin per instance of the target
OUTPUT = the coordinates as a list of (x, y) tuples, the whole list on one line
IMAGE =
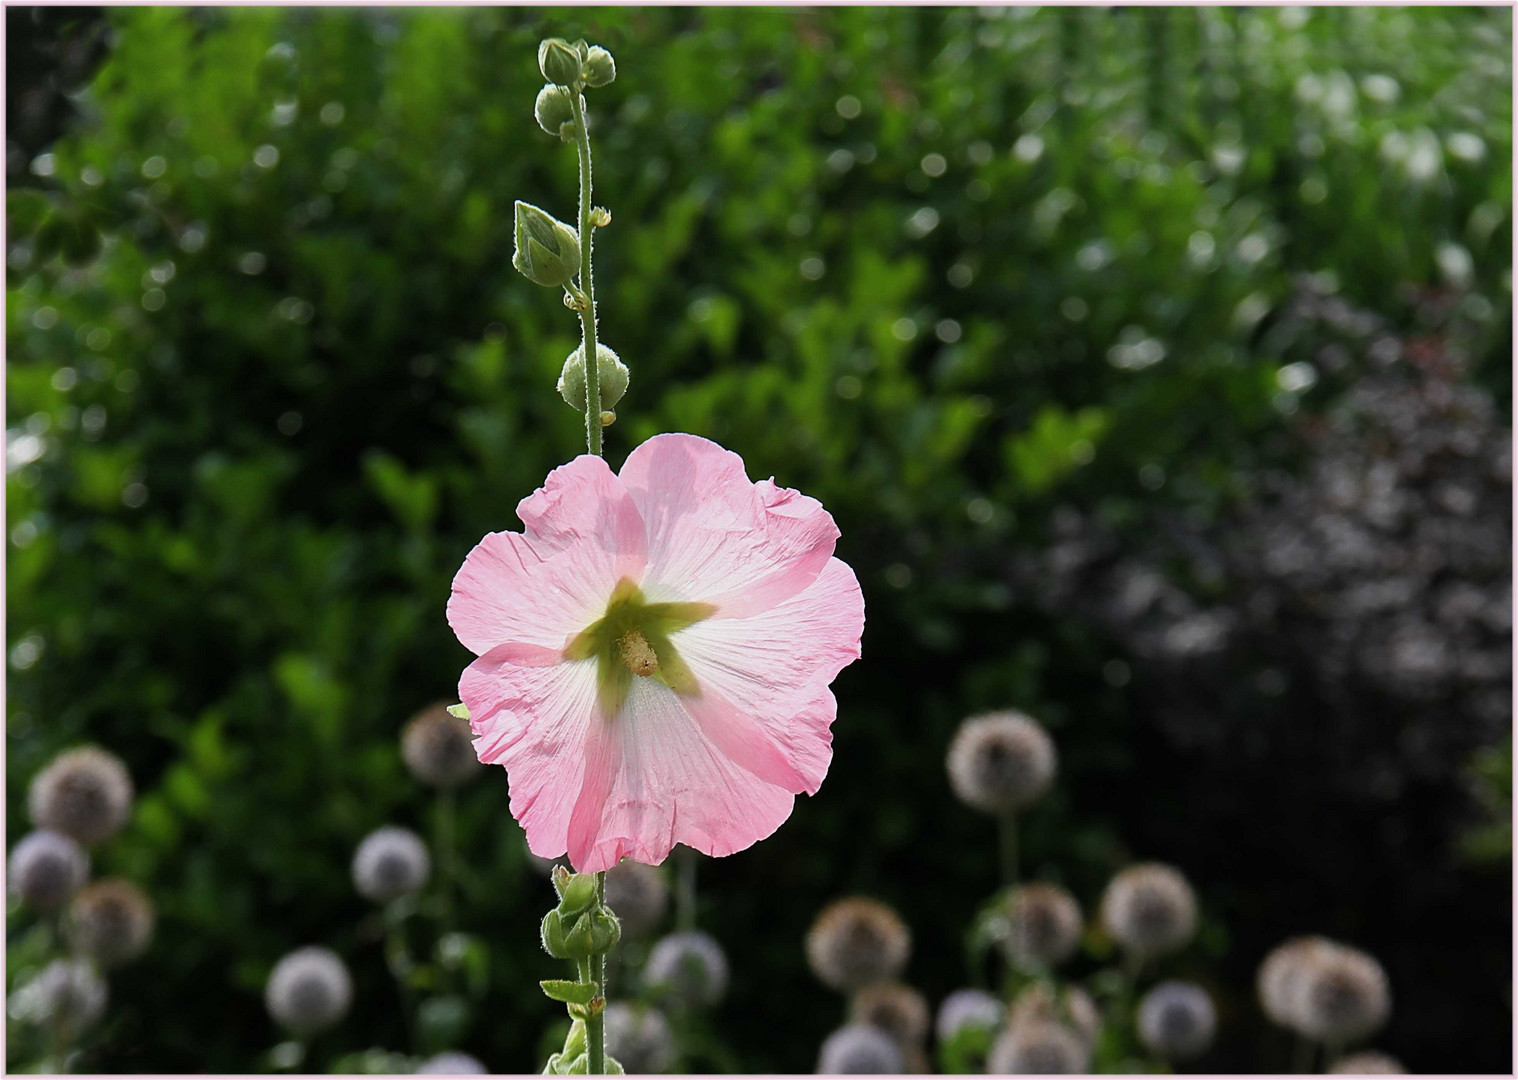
[(633, 639)]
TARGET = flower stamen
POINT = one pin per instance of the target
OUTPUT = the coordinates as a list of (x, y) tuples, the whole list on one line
[(638, 654)]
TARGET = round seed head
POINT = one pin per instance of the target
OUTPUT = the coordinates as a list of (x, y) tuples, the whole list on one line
[(111, 922), (390, 863), (967, 1008), (1368, 1063), (1001, 762), (438, 748), (1176, 1021), (639, 1038), (688, 968), (896, 1009), (1038, 1047), (84, 793), (1280, 977), (46, 868), (309, 990), (859, 1048), (1149, 909), (857, 941), (1071, 1008), (67, 993), (638, 895), (1345, 996), (1042, 927), (452, 1063)]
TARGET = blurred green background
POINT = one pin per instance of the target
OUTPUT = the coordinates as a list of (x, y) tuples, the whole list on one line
[(1068, 316)]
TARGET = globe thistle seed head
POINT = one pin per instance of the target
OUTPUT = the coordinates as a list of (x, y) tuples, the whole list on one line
[(857, 941), (46, 868), (1345, 996), (1000, 762), (896, 1009), (1368, 1063), (1177, 1021), (860, 1049), (68, 994), (438, 748), (309, 990), (968, 1008), (111, 922), (1072, 1007), (639, 1037), (1150, 909), (1281, 974), (85, 793), (1042, 926), (1038, 1047), (389, 863), (638, 895), (688, 968), (452, 1063)]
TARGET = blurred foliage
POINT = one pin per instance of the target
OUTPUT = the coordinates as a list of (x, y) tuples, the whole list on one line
[(951, 271)]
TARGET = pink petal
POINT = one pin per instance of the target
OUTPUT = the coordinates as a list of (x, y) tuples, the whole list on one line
[(534, 713), (544, 585), (767, 676), (653, 778), (714, 535)]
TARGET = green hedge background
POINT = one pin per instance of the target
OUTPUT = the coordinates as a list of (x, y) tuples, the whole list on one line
[(959, 273)]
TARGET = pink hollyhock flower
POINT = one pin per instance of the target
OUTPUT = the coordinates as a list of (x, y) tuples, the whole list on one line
[(654, 653)]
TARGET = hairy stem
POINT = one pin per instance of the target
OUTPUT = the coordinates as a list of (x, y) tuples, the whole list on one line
[(595, 1027), (587, 285)]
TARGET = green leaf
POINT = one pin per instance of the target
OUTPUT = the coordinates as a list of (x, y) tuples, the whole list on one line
[(460, 710), (568, 991)]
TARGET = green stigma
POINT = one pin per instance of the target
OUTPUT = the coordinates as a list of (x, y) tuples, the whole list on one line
[(632, 640)]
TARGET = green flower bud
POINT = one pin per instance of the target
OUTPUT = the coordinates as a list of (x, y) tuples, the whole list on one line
[(553, 936), (548, 251), (560, 62), (577, 893), (612, 371), (555, 113), (600, 68)]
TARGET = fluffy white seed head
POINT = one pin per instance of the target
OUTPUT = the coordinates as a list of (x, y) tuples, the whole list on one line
[(111, 922), (1177, 1021), (1368, 1063), (638, 895), (67, 994), (85, 793), (389, 863), (452, 1063), (1038, 1047), (860, 1049), (688, 968), (309, 990), (1345, 996), (438, 748), (968, 1008), (46, 868), (1150, 909), (639, 1038), (1041, 928), (895, 1008), (1072, 1007), (1281, 975), (1001, 762), (857, 941)]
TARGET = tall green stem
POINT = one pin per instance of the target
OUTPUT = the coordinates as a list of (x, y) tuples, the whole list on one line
[(595, 1027), (587, 285)]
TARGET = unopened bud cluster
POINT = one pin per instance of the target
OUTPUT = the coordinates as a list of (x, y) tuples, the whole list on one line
[(581, 926), (575, 65)]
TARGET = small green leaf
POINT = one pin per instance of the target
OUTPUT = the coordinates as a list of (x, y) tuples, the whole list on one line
[(460, 710), (569, 991)]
